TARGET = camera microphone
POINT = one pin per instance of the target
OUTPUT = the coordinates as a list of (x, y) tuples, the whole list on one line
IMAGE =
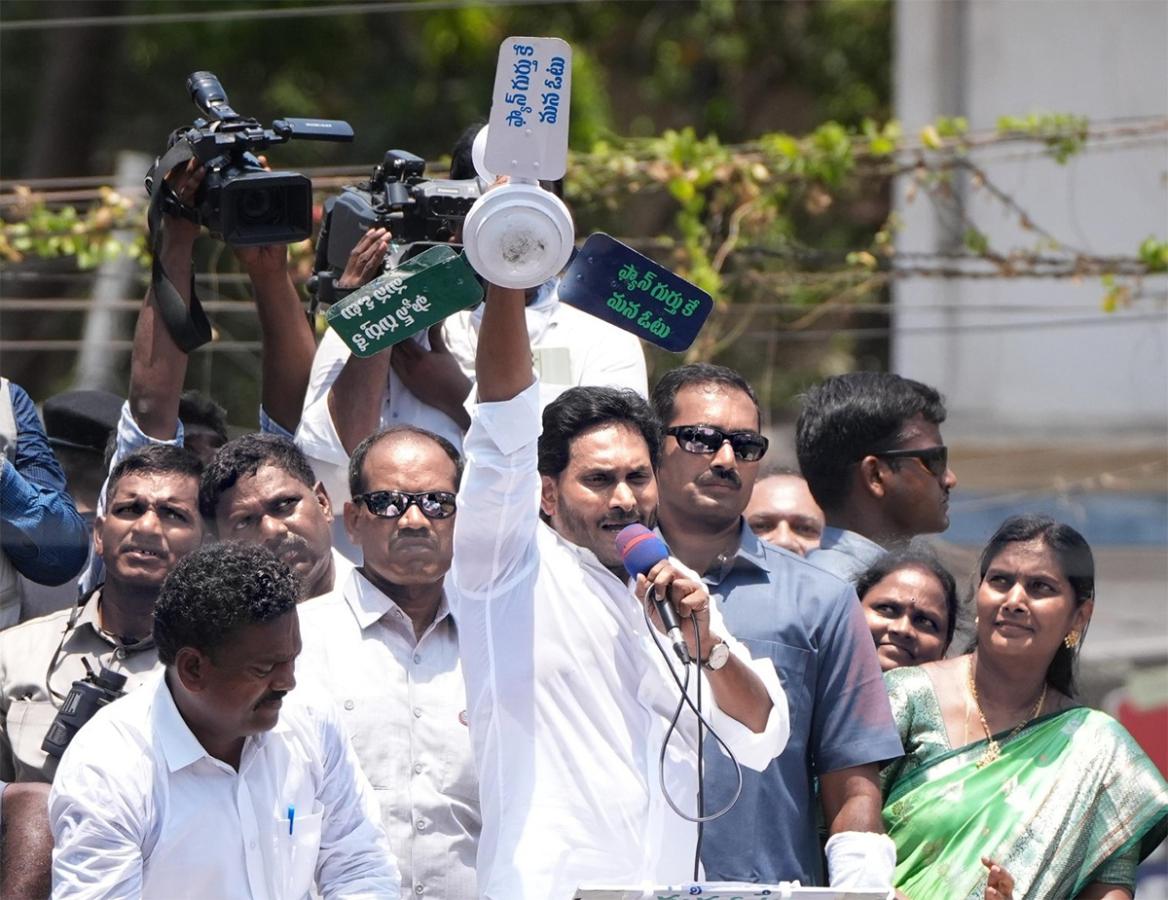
[(640, 551)]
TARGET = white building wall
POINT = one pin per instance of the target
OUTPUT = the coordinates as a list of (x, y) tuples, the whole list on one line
[(1104, 59)]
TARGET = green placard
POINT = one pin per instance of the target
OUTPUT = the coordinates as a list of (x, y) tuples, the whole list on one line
[(404, 301)]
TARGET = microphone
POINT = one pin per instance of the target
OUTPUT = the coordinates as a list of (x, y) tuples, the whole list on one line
[(640, 551)]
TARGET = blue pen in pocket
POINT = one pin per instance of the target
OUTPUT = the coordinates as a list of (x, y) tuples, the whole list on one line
[(291, 817)]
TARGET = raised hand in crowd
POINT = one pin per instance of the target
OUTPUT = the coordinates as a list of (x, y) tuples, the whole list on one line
[(366, 259), (157, 365), (287, 342)]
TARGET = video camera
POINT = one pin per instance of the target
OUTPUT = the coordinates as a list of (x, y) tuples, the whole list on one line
[(239, 201), (85, 698), (419, 213)]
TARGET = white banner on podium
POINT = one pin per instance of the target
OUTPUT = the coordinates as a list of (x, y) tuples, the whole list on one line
[(723, 890)]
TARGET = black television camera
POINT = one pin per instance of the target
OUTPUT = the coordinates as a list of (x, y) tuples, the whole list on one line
[(418, 211), (239, 201), (85, 698)]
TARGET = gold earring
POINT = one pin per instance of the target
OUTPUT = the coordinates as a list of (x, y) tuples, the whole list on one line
[(1072, 640)]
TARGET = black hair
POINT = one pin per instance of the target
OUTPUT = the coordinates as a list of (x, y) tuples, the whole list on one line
[(667, 388), (918, 556), (581, 408), (196, 408), (848, 417), (357, 460), (154, 459), (461, 163), (1078, 566), (217, 590), (242, 458)]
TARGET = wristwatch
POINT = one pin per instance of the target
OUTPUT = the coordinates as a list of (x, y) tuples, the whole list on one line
[(719, 656)]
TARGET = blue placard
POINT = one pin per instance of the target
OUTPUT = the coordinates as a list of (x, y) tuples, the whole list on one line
[(627, 289)]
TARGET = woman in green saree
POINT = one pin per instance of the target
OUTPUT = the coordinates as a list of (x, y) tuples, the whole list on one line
[(1008, 787)]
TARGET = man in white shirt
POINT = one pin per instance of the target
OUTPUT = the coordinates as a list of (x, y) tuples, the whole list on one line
[(260, 489), (385, 645), (570, 348), (569, 698), (205, 782)]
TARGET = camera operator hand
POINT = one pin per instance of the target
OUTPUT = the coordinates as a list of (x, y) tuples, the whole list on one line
[(433, 376), (184, 181), (365, 259), (157, 366)]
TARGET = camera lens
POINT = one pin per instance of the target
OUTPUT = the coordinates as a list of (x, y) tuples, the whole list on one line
[(256, 206)]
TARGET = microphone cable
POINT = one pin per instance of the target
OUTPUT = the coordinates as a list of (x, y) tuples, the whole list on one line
[(683, 702)]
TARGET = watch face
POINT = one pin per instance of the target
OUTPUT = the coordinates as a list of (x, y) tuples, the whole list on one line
[(719, 654)]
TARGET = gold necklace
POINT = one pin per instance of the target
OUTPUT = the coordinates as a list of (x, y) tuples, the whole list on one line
[(993, 749)]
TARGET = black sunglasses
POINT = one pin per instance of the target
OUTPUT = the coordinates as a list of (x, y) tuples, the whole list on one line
[(748, 446), (393, 504), (935, 459)]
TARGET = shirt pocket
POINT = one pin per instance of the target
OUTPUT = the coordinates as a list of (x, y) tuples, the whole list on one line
[(792, 664), (28, 722), (297, 849)]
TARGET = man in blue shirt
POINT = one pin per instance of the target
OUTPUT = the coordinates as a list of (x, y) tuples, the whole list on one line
[(870, 447), (812, 627), (42, 535)]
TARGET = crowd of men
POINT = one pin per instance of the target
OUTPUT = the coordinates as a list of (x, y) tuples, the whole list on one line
[(387, 644)]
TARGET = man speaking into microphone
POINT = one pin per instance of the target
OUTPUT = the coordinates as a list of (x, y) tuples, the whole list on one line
[(569, 699)]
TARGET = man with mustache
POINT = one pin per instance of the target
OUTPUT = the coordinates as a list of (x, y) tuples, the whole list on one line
[(569, 696), (151, 521), (870, 447), (812, 628), (213, 780), (384, 644), (260, 489)]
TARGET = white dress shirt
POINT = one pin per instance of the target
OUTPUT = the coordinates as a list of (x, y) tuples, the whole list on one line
[(317, 434), (569, 347), (569, 698), (403, 702), (140, 809)]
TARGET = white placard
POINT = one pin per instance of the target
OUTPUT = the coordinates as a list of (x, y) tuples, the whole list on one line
[(528, 136)]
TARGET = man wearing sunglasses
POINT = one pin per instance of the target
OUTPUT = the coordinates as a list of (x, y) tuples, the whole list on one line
[(811, 627), (384, 645), (569, 698), (870, 447)]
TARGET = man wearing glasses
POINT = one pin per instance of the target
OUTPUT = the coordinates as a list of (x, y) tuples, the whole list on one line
[(870, 447), (812, 628), (384, 646)]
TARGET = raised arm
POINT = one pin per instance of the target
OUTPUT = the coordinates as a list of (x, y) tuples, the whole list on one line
[(503, 359), (157, 366), (287, 341), (356, 397)]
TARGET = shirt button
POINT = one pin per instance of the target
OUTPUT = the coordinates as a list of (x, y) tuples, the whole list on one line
[(417, 712), (417, 657), (421, 824), (419, 888), (251, 845), (417, 768), (349, 704)]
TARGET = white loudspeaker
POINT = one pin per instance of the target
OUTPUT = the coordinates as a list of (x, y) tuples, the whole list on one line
[(518, 235)]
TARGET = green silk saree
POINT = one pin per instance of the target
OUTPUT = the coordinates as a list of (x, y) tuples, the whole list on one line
[(1072, 800)]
